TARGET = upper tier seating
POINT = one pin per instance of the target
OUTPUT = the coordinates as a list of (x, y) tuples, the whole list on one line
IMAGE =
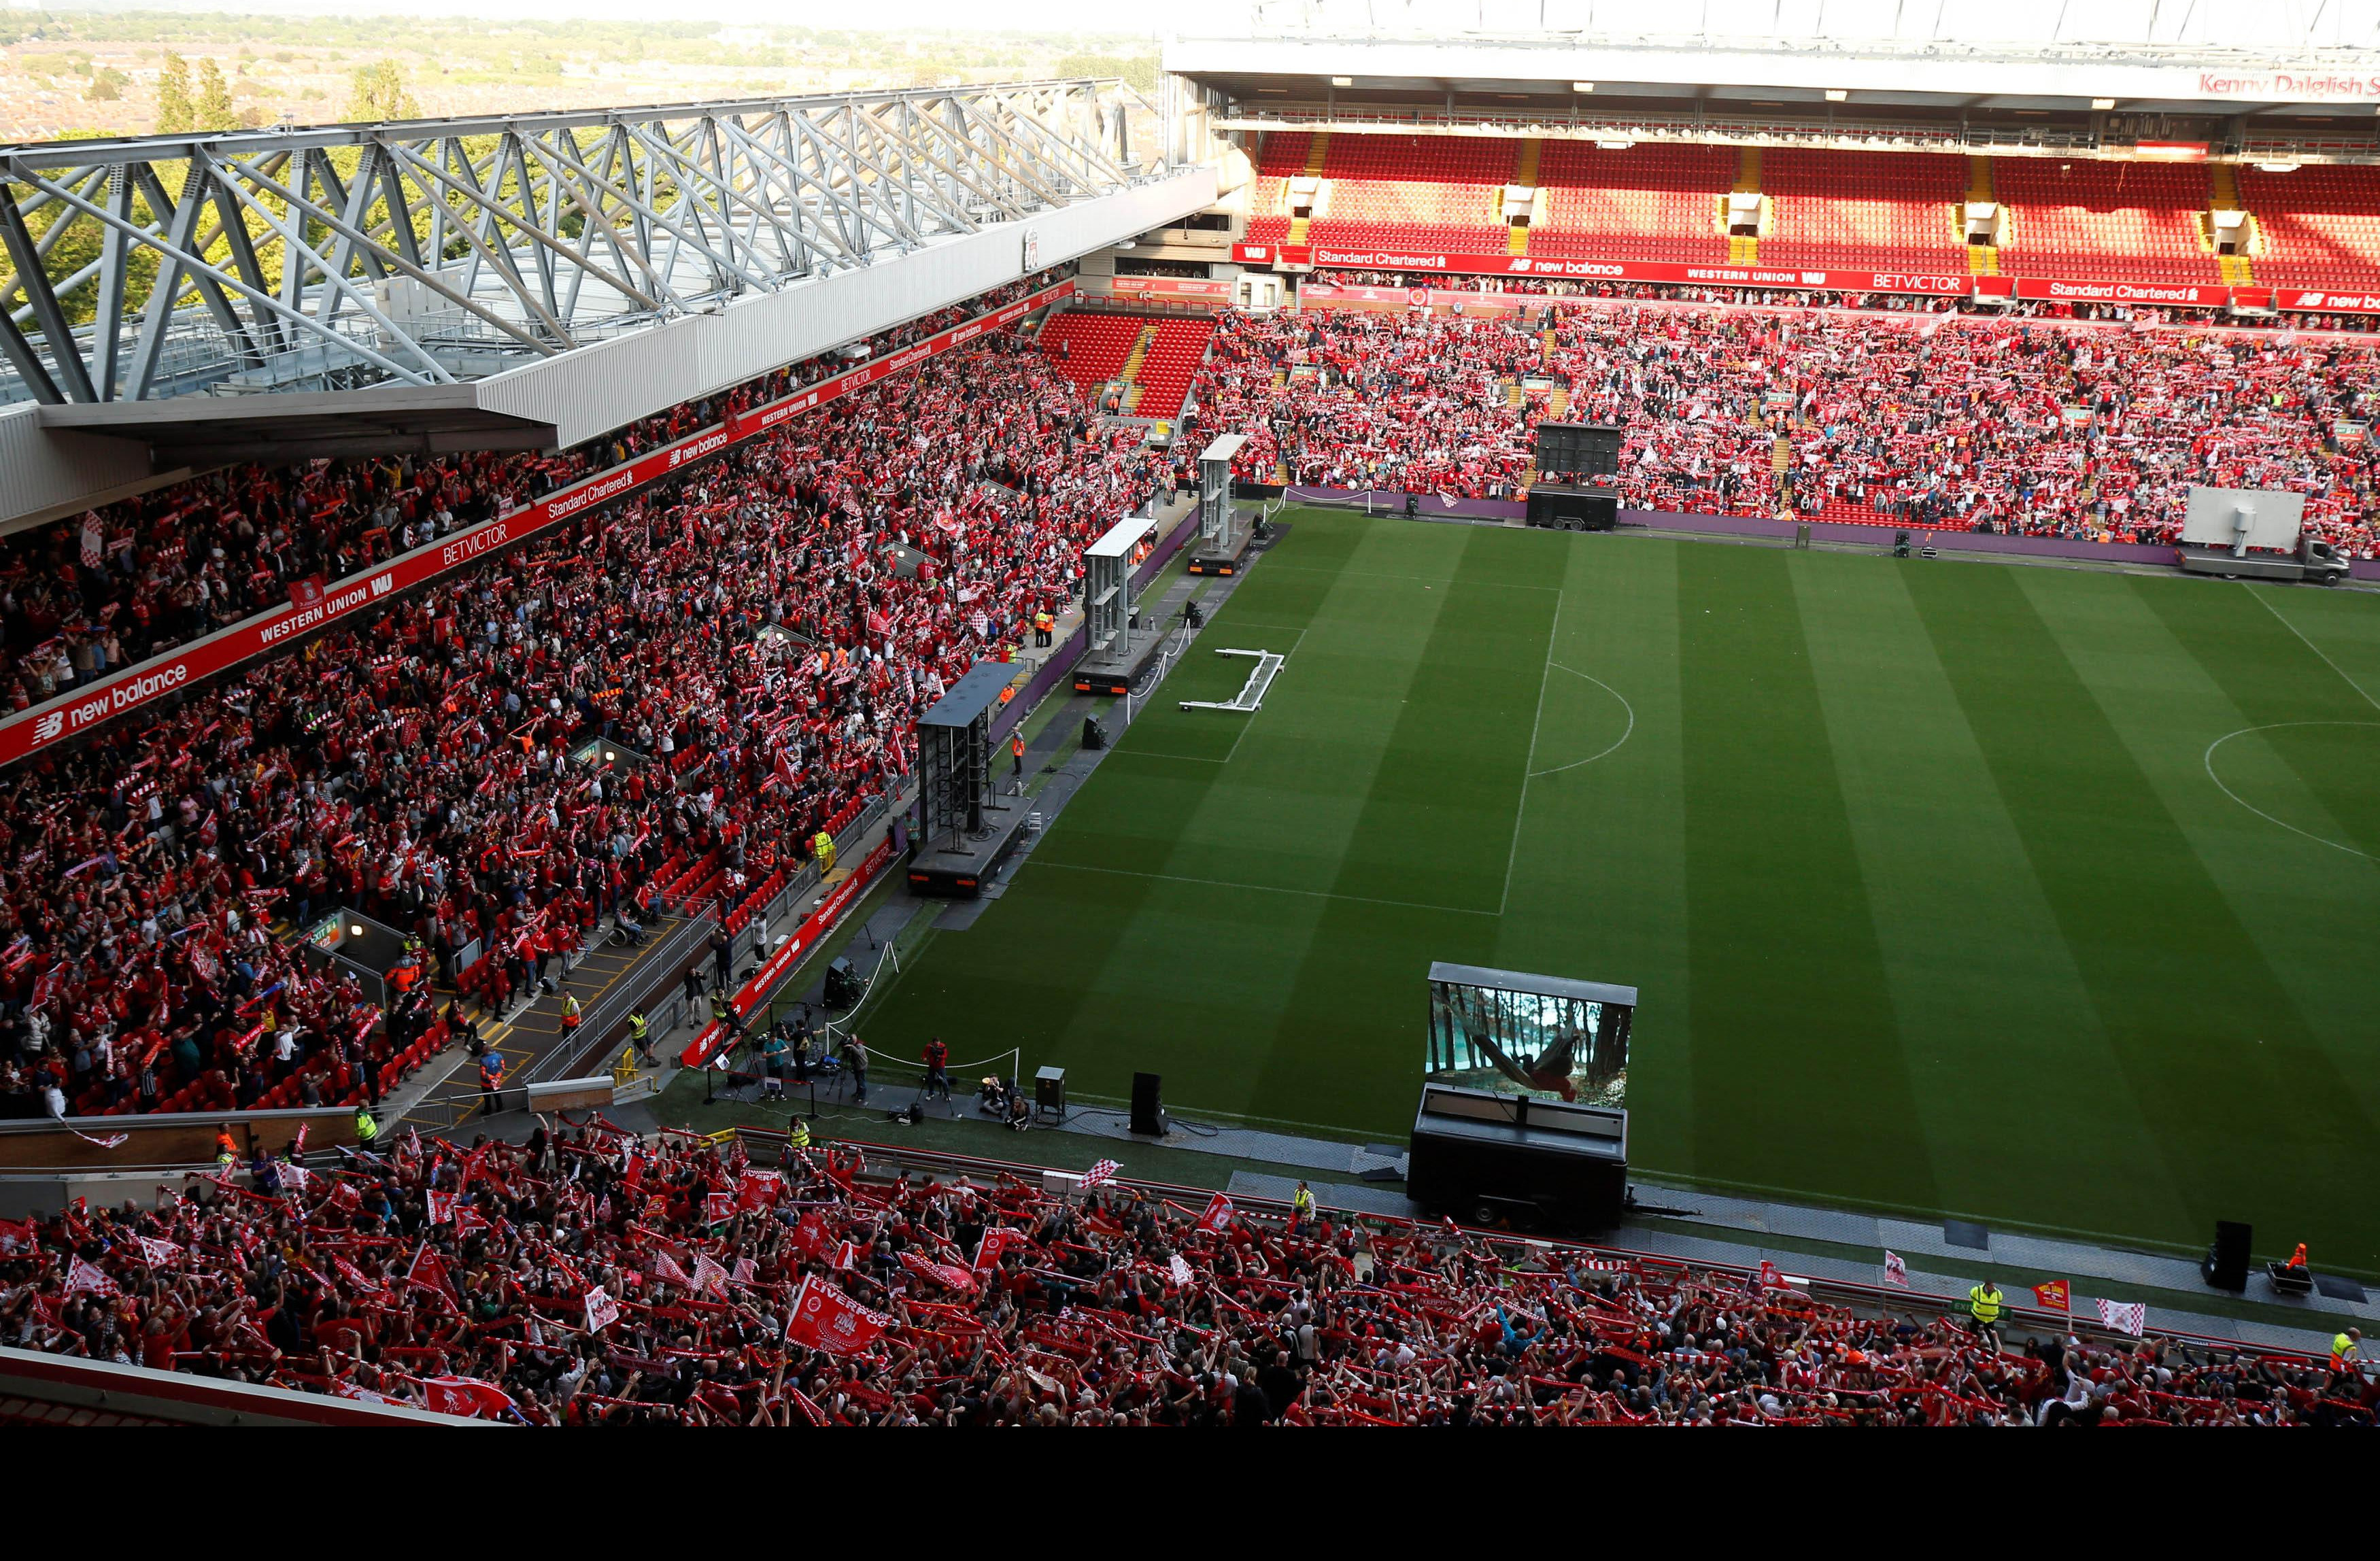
[(2319, 225), (2136, 222), (1886, 210)]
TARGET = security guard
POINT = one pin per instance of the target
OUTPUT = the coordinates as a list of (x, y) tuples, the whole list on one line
[(1017, 752), (366, 1131), (1984, 1304), (722, 1013), (1042, 623), (798, 1134), (227, 1152), (2344, 1354), (569, 1013), (1301, 1207), (641, 1032), (823, 848)]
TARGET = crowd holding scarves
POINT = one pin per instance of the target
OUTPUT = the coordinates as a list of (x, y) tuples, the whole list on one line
[(766, 629), (94, 593), (592, 1277), (2032, 427)]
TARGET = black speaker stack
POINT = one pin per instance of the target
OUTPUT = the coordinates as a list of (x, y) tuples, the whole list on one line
[(2226, 1264), (1148, 1115)]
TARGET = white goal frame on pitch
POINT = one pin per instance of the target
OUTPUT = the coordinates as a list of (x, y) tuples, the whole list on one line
[(1251, 695)]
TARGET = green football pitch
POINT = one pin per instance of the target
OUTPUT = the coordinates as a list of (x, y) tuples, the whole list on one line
[(2046, 897)]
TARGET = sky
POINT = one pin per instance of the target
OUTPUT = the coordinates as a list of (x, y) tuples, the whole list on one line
[(1104, 17), (2240, 23)]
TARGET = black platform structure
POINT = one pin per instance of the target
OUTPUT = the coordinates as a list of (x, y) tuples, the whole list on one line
[(1562, 507), (964, 828), (1523, 1113), (1223, 532), (1567, 495), (1120, 643)]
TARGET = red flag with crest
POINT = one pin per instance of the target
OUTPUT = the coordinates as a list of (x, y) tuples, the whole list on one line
[(825, 1318)]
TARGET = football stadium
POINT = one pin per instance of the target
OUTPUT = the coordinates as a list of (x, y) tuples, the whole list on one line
[(1477, 717)]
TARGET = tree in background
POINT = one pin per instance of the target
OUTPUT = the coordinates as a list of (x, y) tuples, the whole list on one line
[(1139, 71), (214, 110), (377, 92), (175, 112)]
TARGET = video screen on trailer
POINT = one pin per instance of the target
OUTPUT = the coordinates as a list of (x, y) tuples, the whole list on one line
[(1515, 1033)]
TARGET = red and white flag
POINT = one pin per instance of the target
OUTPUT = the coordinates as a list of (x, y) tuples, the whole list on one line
[(2058, 1295), (846, 1254), (709, 1275), (757, 1189), (1179, 1269), (665, 1267), (807, 1405), (718, 1207), (995, 1241), (745, 1273), (442, 1208), (809, 1235), (1219, 1214), (601, 1310), (825, 1318), (157, 1253), (1896, 1272), (1099, 1174), (945, 1274), (466, 1395), (82, 1276), (1771, 1277), (428, 1271), (2128, 1317)]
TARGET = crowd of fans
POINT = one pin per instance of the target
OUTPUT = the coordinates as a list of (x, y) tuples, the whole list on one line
[(762, 631), (2027, 426), (589, 1276), (1550, 287), (95, 593)]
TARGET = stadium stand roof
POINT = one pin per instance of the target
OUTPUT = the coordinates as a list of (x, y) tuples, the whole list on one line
[(558, 275), (2252, 82)]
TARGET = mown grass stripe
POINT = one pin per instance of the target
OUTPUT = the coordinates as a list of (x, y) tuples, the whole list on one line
[(1789, 1001)]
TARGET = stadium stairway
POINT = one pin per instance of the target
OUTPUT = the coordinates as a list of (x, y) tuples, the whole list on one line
[(2224, 188), (1525, 174), (1316, 147), (1744, 251), (1130, 371), (1982, 260)]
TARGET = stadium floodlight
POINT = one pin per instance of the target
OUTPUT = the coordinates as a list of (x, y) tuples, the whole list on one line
[(2277, 167), (1615, 144), (1837, 94), (2102, 104), (1582, 86), (1342, 81)]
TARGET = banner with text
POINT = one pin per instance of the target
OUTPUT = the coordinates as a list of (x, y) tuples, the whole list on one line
[(2179, 295)]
